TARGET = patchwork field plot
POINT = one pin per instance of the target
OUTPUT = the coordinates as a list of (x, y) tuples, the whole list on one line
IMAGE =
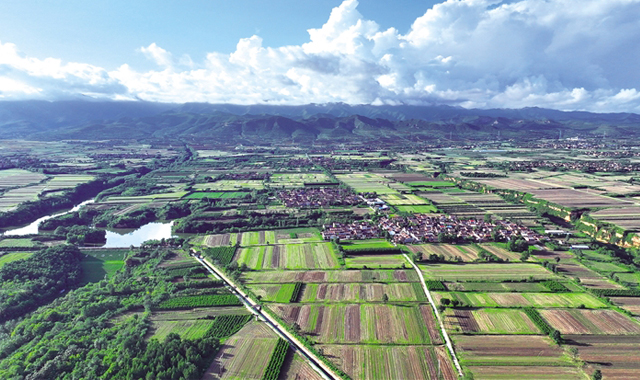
[(12, 198), (367, 183), (359, 292), (500, 252), (578, 198), (607, 322), (526, 299), (67, 181), (376, 261), (417, 209), (244, 355), (19, 177), (403, 199), (489, 321), (496, 286), (513, 356), (617, 356), (13, 256), (101, 262), (369, 323), (291, 256), (631, 304), (19, 243), (450, 252), (199, 313), (516, 184), (388, 362), (274, 293), (333, 276), (217, 195), (485, 272), (298, 369), (230, 185), (363, 245), (297, 179), (187, 329)]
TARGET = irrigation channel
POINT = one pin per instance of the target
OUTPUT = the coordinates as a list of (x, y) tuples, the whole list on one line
[(435, 310), (254, 308)]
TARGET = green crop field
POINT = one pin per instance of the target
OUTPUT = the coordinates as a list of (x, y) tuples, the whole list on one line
[(365, 244), (18, 243), (217, 195), (376, 261), (297, 179), (13, 256), (425, 209), (606, 267), (542, 300), (230, 185), (187, 329), (490, 321), (431, 184), (485, 272), (99, 263), (289, 256)]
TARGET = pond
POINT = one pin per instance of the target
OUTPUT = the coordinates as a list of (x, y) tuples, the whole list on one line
[(118, 238)]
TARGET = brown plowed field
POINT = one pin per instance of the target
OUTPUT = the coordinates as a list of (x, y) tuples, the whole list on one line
[(244, 355), (501, 252), (608, 322), (217, 240), (296, 368), (333, 276), (525, 372), (468, 253), (432, 324), (631, 304), (617, 356), (466, 321)]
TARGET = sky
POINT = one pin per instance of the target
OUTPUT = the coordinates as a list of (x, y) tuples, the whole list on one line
[(561, 54)]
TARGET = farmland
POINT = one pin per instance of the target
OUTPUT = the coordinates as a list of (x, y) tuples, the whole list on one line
[(290, 256), (485, 272), (253, 344), (388, 362), (332, 276), (511, 299), (362, 292), (490, 321), (363, 324), (100, 263), (594, 322), (13, 256)]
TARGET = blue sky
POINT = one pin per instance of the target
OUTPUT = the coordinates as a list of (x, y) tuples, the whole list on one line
[(562, 54), (109, 32)]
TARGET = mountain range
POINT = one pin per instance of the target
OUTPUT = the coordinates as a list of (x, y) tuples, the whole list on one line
[(98, 120)]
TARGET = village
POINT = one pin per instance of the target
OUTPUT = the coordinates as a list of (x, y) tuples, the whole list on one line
[(425, 228), (319, 197)]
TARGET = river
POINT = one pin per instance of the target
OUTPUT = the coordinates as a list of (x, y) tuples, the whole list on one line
[(32, 228)]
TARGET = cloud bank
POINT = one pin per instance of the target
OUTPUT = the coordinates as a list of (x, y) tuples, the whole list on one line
[(562, 54)]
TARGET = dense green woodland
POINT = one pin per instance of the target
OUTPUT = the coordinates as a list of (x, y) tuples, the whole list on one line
[(96, 331)]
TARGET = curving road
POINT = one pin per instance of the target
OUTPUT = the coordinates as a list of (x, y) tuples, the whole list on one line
[(319, 366), (435, 310)]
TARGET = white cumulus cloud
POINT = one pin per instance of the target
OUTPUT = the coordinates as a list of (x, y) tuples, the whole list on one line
[(563, 54)]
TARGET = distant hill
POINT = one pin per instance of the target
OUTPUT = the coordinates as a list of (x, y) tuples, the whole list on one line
[(299, 124)]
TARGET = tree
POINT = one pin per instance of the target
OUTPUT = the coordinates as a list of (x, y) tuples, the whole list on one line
[(524, 256), (385, 298), (597, 375)]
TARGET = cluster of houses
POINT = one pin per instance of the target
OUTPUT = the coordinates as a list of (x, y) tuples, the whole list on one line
[(589, 166), (352, 231), (319, 197), (423, 228)]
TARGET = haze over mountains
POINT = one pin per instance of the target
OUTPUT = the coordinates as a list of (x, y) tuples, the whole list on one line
[(90, 120)]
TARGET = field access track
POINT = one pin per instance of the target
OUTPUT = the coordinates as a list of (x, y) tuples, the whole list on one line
[(447, 340), (317, 364)]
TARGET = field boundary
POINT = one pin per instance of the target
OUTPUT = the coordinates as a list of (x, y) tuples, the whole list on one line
[(435, 310)]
